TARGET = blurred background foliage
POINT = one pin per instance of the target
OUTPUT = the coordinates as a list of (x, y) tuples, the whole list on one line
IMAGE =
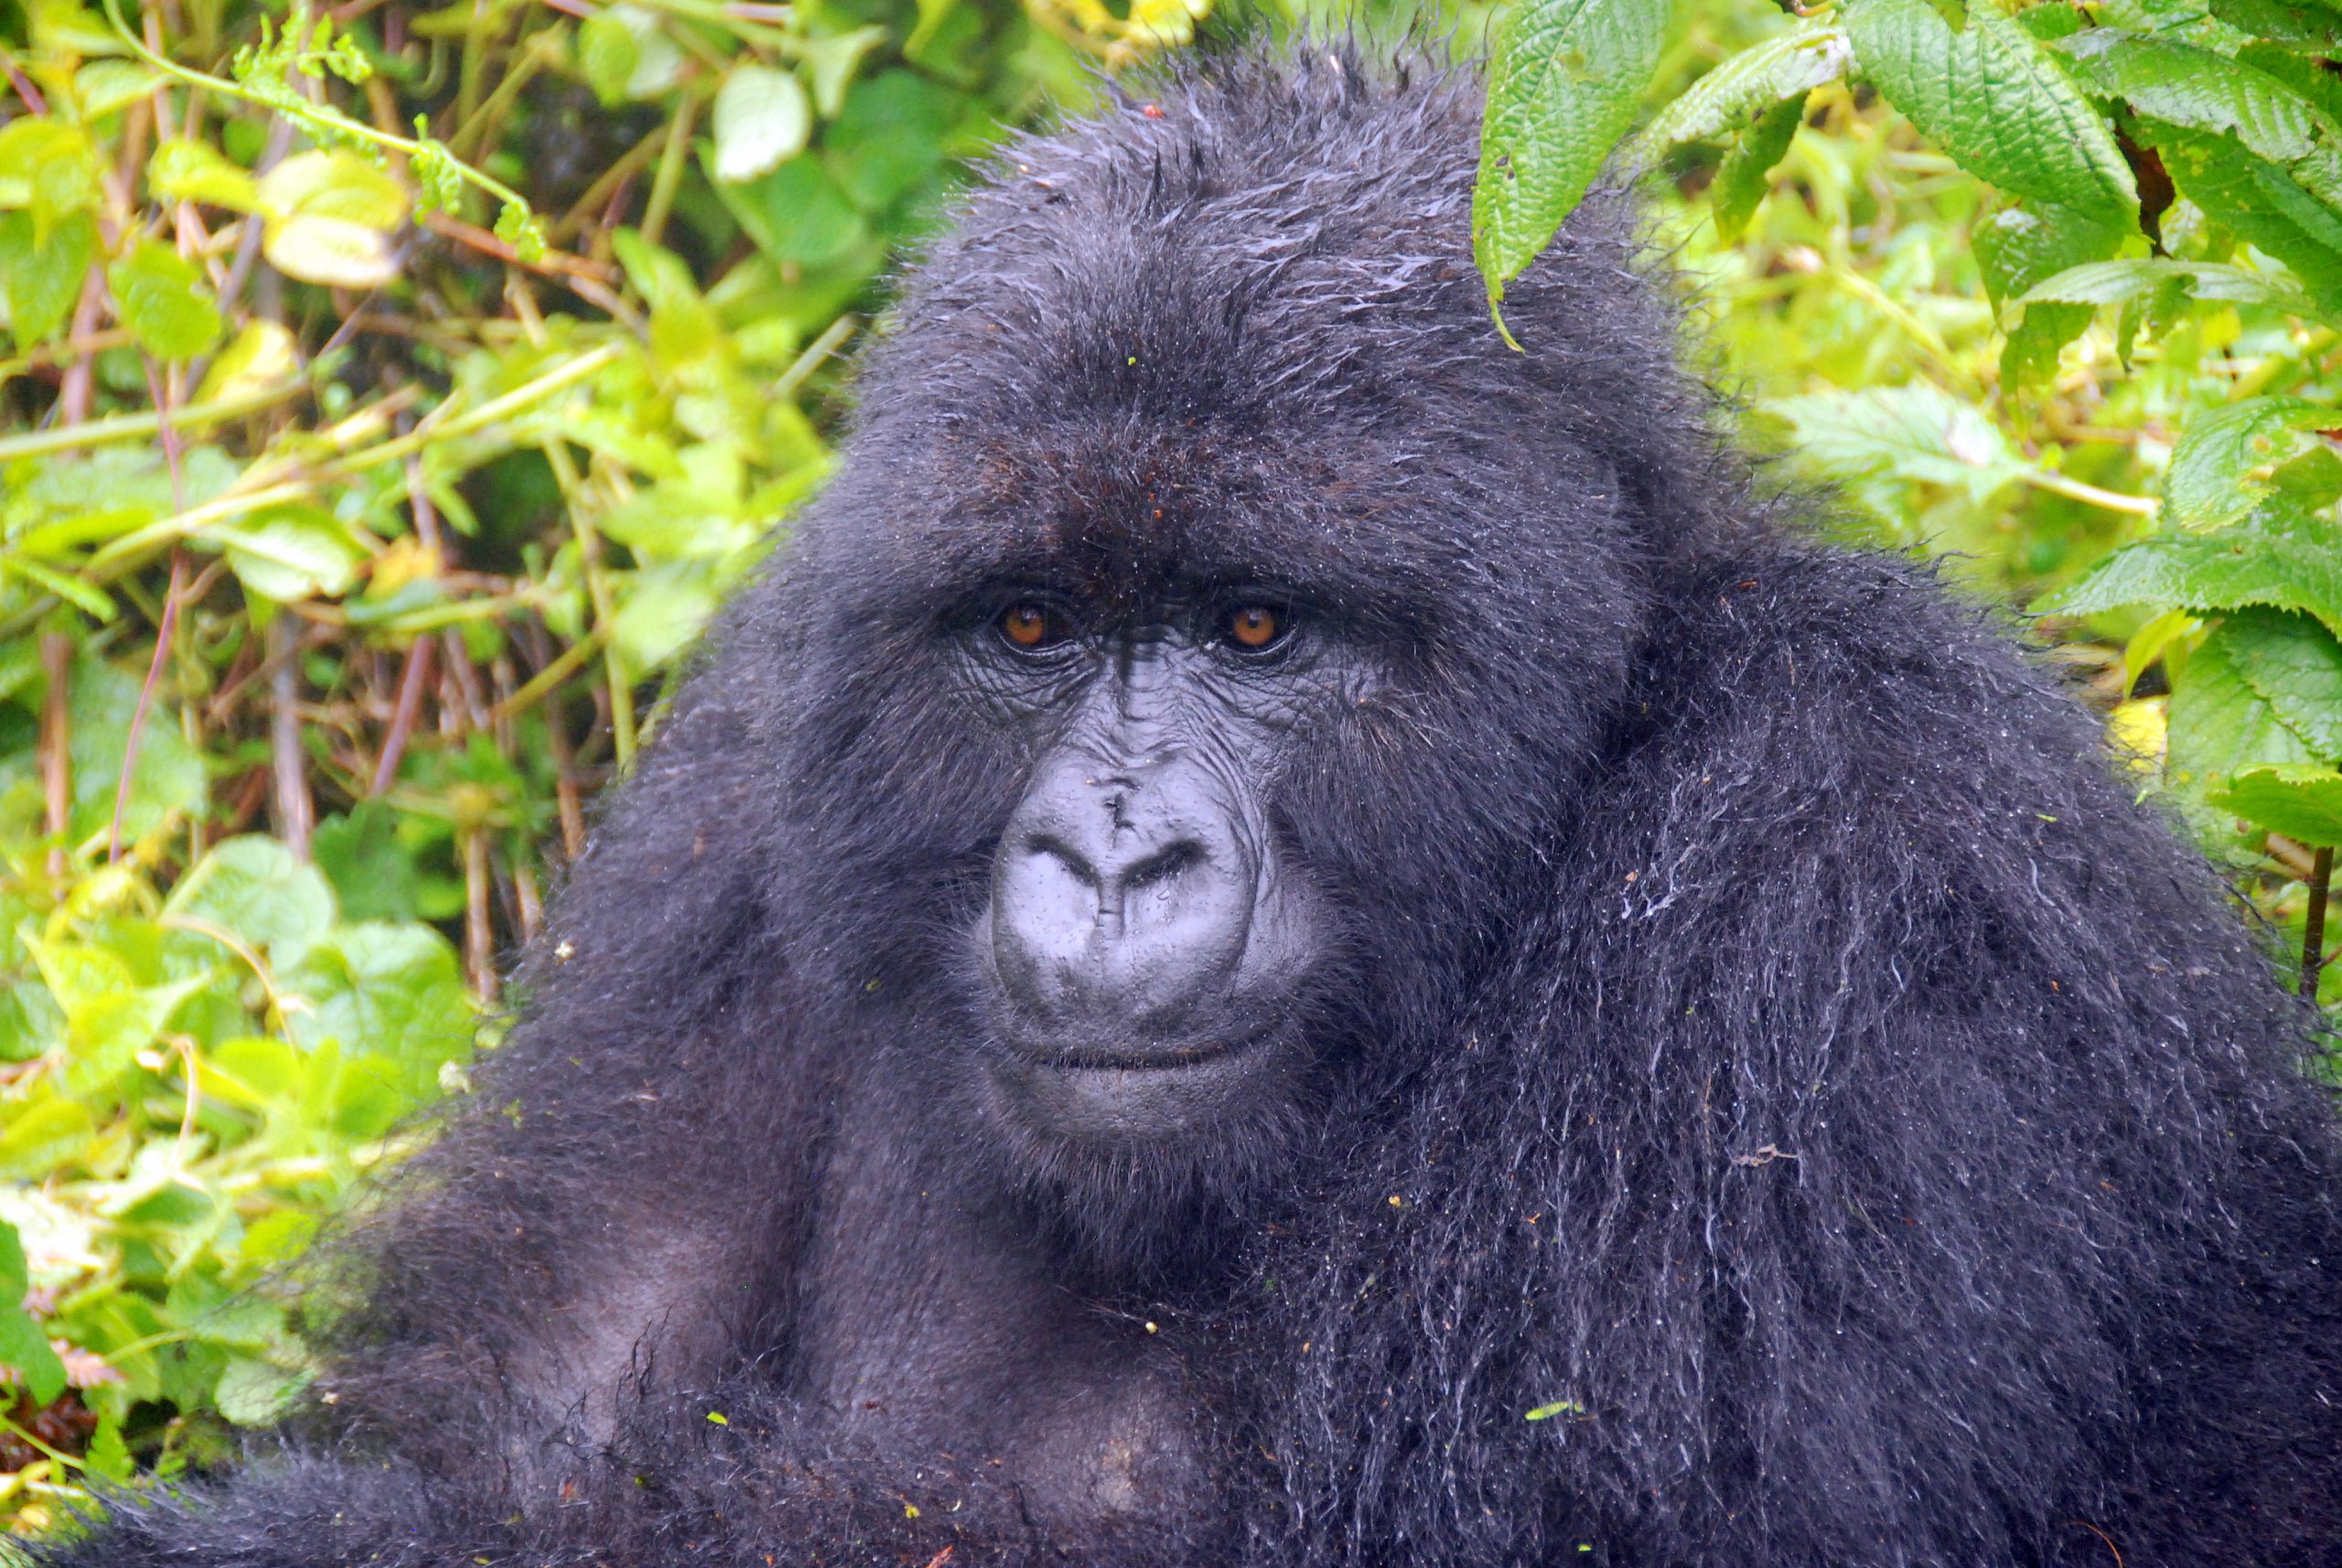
[(390, 392)]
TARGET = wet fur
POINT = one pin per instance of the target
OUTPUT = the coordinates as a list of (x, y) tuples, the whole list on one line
[(1772, 1045)]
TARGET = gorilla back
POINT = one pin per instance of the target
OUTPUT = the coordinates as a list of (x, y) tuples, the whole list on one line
[(1269, 888)]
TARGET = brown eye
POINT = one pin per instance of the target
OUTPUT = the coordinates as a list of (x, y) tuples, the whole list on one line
[(1254, 626), (1029, 625)]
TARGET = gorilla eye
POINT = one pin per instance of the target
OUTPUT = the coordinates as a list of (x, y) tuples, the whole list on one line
[(1031, 626), (1256, 628)]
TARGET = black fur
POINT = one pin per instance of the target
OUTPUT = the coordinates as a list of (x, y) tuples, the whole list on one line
[(1770, 1044)]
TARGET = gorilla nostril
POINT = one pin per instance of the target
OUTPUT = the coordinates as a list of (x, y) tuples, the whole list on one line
[(1170, 861), (1073, 859)]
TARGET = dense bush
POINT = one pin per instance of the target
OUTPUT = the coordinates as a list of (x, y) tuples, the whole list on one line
[(389, 395)]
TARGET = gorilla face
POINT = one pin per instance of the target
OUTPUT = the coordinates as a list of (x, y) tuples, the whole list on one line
[(1148, 949)]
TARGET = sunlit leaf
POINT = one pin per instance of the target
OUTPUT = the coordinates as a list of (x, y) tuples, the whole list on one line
[(761, 118)]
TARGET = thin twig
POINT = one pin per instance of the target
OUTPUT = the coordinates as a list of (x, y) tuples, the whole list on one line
[(2321, 889)]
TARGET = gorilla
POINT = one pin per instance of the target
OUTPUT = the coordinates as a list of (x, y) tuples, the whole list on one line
[(1284, 936)]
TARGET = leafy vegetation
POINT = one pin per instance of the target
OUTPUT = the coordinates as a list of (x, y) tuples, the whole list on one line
[(389, 394)]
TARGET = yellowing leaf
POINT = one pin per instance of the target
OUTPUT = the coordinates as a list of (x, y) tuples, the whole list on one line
[(259, 357), (331, 250), (761, 119), (339, 185)]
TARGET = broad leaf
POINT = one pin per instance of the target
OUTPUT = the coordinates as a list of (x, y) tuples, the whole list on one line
[(2220, 469), (162, 299), (1998, 102), (761, 119), (2301, 801), (2294, 665), (2219, 724), (2115, 283), (1723, 102), (2282, 560), (1564, 79)]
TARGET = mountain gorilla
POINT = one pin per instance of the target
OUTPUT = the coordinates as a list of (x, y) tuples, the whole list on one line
[(1286, 937)]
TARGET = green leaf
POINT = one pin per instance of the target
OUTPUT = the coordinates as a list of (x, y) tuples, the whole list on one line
[(2258, 201), (833, 61), (1745, 176), (41, 1135), (1910, 434), (256, 890), (2113, 283), (41, 276), (761, 118), (1996, 100), (2192, 87), (193, 171), (253, 1392), (2222, 468), (26, 1351), (2017, 248), (2219, 724), (2298, 800), (289, 552), (109, 1017), (1723, 102), (102, 86), (162, 298), (607, 55), (796, 213), (890, 137), (2294, 665), (389, 991), (167, 778), (16, 1276), (2281, 559), (1564, 79), (49, 168), (2307, 28)]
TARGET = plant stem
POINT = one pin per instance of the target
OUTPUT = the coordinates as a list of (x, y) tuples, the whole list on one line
[(2321, 889)]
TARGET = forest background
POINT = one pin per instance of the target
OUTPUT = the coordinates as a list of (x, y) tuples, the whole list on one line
[(388, 393)]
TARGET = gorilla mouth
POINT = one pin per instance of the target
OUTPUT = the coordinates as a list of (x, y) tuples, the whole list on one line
[(1144, 1058)]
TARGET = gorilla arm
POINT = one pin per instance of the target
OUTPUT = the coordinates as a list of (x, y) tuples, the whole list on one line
[(1887, 1145)]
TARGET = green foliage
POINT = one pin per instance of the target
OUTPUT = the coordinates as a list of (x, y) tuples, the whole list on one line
[(385, 403), (2149, 193)]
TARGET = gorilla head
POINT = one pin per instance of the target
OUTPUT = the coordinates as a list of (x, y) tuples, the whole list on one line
[(1226, 717)]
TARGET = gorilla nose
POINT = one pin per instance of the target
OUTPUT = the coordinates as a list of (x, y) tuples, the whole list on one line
[(1118, 906)]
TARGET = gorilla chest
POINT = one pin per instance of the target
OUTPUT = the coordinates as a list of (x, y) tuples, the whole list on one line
[(921, 1345)]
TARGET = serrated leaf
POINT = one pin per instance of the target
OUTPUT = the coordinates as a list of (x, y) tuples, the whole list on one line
[(2297, 799), (1745, 176), (761, 119), (162, 298), (2017, 247), (2220, 469), (194, 171), (1788, 65), (2188, 86), (26, 1351), (2113, 283), (289, 552), (2295, 666), (42, 1135), (1910, 434), (2219, 725), (2280, 561), (102, 86), (1564, 79), (41, 274), (1997, 100), (49, 168), (255, 889)]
